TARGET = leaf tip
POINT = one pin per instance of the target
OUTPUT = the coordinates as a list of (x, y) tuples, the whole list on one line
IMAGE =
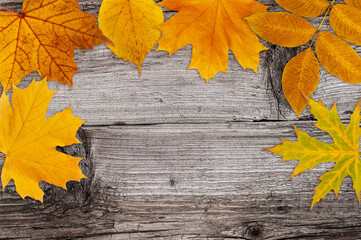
[(358, 196), (161, 3), (107, 41), (139, 65), (255, 69), (298, 112), (311, 206), (357, 107), (307, 98), (268, 149), (313, 203)]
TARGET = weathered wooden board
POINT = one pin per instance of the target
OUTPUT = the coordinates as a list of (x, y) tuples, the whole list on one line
[(185, 181), (170, 157)]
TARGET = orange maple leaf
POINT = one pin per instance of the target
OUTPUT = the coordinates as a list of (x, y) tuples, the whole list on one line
[(29, 141), (213, 27), (43, 38)]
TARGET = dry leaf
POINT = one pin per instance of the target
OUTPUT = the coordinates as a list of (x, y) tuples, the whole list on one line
[(283, 29), (346, 22), (354, 3), (291, 30), (43, 38), (338, 58), (300, 76), (212, 27), (344, 152), (28, 141), (305, 8), (132, 26)]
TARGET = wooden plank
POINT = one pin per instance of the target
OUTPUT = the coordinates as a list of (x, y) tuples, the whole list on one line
[(209, 180), (185, 181), (108, 90)]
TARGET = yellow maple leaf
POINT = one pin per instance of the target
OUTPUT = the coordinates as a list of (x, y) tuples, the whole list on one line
[(344, 151), (132, 26), (29, 141), (212, 27), (43, 38)]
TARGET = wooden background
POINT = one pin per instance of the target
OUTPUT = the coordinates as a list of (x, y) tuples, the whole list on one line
[(170, 157)]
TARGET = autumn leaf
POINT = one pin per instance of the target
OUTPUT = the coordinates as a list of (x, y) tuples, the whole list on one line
[(300, 76), (43, 38), (346, 22), (291, 30), (29, 141), (354, 3), (344, 151), (212, 27), (305, 8), (283, 29), (132, 26), (338, 58)]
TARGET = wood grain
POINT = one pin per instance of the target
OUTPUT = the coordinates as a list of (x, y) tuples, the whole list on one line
[(185, 181), (168, 156)]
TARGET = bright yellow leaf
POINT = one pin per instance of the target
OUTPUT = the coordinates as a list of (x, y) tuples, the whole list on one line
[(354, 3), (283, 29), (132, 26), (338, 58), (43, 38), (29, 141), (305, 8), (213, 27), (300, 76), (344, 151), (346, 22)]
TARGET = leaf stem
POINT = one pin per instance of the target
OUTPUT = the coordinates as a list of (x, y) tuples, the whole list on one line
[(313, 38), (3, 156), (324, 17), (7, 9)]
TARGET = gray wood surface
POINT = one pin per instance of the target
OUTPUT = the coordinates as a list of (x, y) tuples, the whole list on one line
[(169, 156)]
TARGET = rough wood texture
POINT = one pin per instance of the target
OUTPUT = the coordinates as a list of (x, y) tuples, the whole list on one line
[(185, 181), (170, 157)]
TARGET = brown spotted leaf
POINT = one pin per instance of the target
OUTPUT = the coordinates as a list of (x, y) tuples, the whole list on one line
[(43, 39)]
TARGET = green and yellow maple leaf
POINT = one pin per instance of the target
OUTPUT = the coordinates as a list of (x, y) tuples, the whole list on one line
[(344, 151)]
